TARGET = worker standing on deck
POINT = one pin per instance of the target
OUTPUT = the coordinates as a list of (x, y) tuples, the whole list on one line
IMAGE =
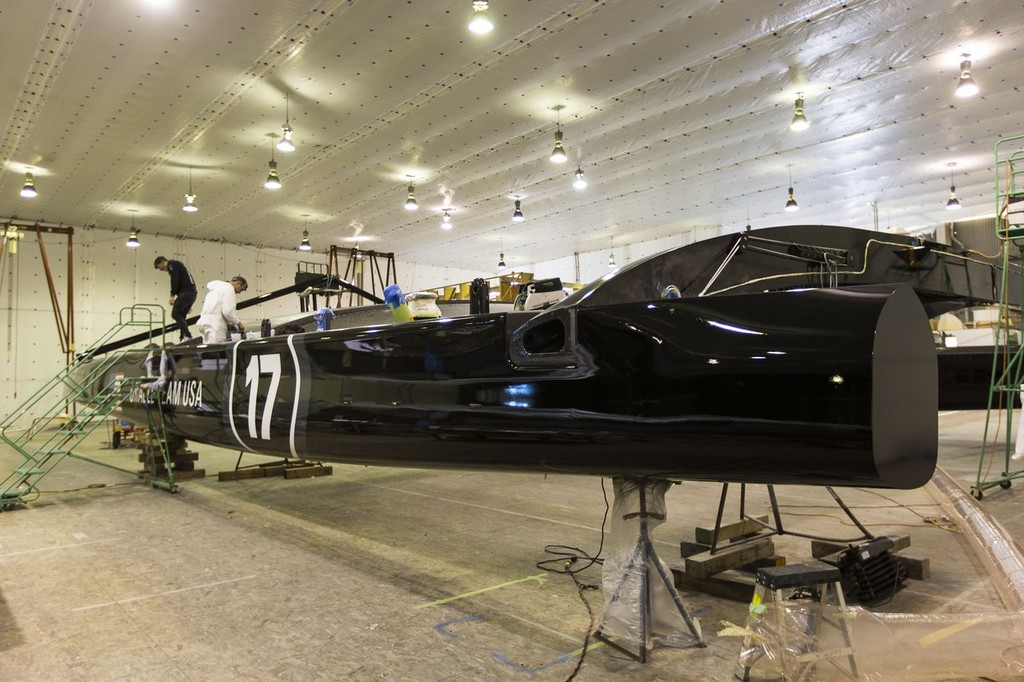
[(183, 292), (219, 309)]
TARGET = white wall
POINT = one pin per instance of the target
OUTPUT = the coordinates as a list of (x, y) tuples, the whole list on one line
[(594, 264)]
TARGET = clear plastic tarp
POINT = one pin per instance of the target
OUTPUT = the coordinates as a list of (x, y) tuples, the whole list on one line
[(807, 640), (642, 606), (887, 647)]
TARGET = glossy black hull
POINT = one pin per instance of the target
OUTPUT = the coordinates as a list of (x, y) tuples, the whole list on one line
[(794, 256), (826, 387)]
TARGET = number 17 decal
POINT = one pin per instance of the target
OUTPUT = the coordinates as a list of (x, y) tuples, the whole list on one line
[(260, 365), (271, 381)]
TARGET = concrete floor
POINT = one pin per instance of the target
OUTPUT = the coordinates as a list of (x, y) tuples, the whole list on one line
[(381, 573)]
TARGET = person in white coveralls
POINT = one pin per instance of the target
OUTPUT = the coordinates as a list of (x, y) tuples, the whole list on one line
[(219, 309)]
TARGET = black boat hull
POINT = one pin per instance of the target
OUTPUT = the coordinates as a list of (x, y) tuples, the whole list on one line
[(825, 387)]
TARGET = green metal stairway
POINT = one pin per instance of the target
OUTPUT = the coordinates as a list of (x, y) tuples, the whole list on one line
[(1008, 356), (58, 417)]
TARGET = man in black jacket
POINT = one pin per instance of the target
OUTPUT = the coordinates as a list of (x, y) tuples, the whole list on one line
[(183, 292)]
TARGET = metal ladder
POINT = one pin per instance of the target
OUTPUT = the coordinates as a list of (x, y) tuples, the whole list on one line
[(1008, 356), (43, 431)]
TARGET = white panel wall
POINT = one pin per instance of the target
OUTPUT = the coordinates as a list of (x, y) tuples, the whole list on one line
[(29, 339), (594, 264)]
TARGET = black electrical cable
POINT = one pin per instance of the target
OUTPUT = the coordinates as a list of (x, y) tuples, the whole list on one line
[(563, 562), (567, 556), (590, 627)]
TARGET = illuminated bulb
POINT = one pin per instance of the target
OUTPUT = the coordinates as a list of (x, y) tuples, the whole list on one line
[(28, 190), (410, 201), (558, 154), (286, 144), (966, 87), (190, 203), (791, 205), (799, 121), (273, 181), (579, 182), (517, 215), (953, 204), (480, 23)]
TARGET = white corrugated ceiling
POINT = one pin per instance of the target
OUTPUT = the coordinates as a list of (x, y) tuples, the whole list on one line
[(676, 110)]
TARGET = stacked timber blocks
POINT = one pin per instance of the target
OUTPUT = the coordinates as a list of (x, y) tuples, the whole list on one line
[(727, 569), (181, 460)]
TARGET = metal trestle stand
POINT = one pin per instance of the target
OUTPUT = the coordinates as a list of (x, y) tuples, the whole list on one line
[(642, 604)]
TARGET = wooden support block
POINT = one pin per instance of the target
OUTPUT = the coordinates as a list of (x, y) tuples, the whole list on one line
[(820, 548), (918, 568), (766, 562), (707, 564), (307, 472), (729, 531), (733, 585), (690, 548), (240, 474)]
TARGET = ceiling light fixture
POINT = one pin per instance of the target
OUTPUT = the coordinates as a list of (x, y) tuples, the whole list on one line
[(133, 238), (273, 180), (799, 121), (446, 220), (410, 201), (28, 190), (481, 22), (791, 205), (286, 144), (580, 182), (501, 257), (558, 154), (190, 198), (966, 87), (517, 215), (304, 245), (953, 204)]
